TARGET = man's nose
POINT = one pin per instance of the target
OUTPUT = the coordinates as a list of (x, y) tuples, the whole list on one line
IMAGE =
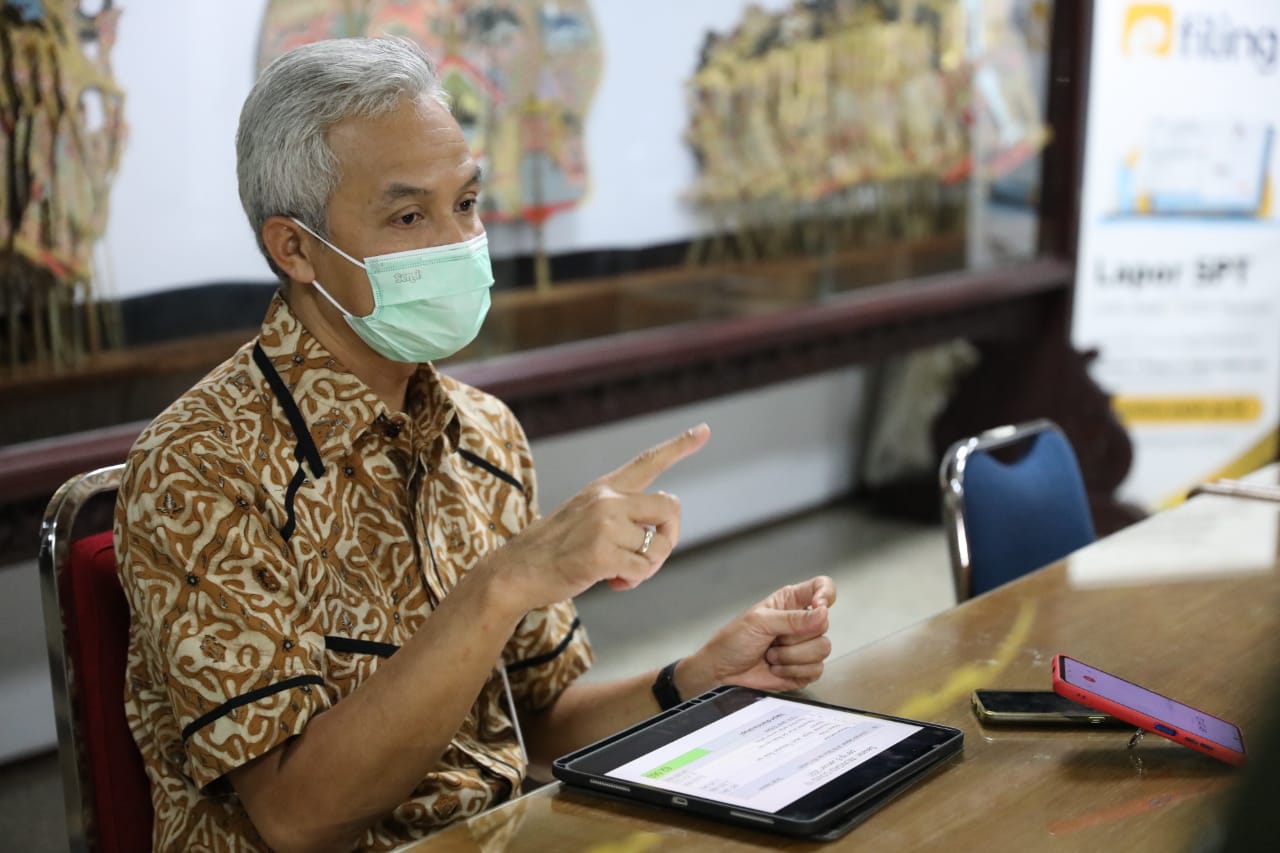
[(459, 232)]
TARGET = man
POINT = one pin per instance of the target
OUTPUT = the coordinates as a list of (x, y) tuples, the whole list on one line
[(333, 555)]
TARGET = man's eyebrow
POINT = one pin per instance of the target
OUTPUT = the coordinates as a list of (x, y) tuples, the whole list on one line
[(396, 191)]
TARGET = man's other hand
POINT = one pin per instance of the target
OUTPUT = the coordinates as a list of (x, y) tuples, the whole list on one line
[(779, 644)]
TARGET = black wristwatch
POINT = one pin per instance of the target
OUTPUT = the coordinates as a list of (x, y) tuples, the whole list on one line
[(664, 687)]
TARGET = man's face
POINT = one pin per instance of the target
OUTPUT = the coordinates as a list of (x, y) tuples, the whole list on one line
[(407, 181)]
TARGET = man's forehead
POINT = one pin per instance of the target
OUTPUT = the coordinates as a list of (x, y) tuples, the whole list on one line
[(416, 149), (468, 172)]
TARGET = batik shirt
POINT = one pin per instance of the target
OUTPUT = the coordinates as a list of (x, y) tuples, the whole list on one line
[(280, 532)]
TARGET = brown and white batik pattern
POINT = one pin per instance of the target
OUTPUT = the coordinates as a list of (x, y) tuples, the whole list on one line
[(269, 574)]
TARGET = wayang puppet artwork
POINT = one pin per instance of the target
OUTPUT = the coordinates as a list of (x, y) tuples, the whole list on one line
[(62, 131)]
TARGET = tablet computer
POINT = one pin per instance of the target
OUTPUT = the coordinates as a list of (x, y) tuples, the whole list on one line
[(746, 757)]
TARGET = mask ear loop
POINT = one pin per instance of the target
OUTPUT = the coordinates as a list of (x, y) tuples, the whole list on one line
[(304, 227), (511, 705), (334, 302), (316, 284)]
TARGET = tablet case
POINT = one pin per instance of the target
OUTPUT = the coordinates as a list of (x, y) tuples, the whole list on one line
[(829, 826)]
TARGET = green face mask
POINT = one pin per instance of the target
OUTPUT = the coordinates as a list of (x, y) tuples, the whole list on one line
[(427, 303)]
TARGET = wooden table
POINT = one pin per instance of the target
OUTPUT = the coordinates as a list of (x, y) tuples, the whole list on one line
[(1186, 603)]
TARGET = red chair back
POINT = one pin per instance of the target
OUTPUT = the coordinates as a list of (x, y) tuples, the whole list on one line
[(97, 620), (108, 797)]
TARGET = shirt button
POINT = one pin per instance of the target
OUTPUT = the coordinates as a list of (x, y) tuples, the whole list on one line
[(395, 617)]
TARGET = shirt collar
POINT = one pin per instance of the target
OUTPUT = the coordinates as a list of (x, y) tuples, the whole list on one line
[(336, 405)]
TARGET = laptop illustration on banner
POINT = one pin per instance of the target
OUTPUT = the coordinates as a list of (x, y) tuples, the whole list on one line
[(1201, 168)]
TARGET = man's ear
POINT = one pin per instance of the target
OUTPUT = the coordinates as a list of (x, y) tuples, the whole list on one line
[(289, 246)]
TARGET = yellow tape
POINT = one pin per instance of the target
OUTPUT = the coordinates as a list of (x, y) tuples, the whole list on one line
[(1262, 452), (637, 842), (1231, 408), (965, 679)]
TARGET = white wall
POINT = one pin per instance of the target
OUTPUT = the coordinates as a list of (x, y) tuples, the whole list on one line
[(26, 701), (774, 451), (186, 67), (175, 214)]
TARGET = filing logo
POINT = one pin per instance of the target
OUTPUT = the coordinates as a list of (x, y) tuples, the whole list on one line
[(1148, 29), (1152, 30)]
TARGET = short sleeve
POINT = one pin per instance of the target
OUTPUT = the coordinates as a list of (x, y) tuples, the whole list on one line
[(547, 652), (528, 475), (213, 594), (550, 647)]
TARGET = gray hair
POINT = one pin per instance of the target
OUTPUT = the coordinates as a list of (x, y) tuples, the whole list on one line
[(283, 161)]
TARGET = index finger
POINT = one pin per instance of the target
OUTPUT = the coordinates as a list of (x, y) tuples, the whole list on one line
[(636, 475)]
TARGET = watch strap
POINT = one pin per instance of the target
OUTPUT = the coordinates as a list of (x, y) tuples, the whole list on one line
[(664, 687)]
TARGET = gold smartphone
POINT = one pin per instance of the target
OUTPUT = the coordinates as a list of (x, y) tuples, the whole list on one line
[(1035, 708)]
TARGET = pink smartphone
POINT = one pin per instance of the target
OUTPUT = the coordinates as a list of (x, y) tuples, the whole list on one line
[(1126, 701)]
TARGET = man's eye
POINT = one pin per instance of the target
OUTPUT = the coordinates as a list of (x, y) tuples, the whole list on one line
[(467, 205), (407, 218)]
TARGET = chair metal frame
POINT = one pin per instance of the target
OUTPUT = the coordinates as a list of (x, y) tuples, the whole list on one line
[(951, 481), (57, 532)]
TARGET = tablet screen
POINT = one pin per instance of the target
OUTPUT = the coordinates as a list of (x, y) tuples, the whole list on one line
[(778, 755), (767, 755)]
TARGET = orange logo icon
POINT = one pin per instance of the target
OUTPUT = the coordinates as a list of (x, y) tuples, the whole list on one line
[(1148, 29)]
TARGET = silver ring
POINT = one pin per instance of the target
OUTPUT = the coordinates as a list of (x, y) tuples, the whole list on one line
[(646, 542)]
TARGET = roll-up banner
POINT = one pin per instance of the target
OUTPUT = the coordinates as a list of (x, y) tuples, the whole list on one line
[(1178, 274)]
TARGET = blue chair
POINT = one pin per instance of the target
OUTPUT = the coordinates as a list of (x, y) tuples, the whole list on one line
[(1013, 501)]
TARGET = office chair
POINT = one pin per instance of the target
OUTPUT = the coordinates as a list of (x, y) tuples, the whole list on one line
[(86, 617), (1013, 500)]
